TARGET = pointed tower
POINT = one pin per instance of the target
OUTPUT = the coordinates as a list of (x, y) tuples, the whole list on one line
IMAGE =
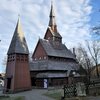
[(17, 70), (52, 21), (52, 60), (52, 33)]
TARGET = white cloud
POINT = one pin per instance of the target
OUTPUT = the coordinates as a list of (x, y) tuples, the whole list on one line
[(74, 23), (72, 18)]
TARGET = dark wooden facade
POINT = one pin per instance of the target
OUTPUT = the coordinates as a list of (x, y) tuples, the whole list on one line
[(52, 61), (17, 76)]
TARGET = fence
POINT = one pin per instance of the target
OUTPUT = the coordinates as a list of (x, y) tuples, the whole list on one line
[(94, 87), (69, 90)]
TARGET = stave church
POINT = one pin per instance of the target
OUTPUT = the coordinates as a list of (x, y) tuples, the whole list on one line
[(52, 63)]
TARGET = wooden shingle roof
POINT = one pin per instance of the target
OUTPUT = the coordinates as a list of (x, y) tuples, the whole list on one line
[(60, 51), (53, 65), (18, 43), (51, 75)]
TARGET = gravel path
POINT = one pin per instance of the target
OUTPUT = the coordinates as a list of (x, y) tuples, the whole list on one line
[(35, 94)]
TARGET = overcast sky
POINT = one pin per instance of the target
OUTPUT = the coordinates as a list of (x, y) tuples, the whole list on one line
[(74, 19)]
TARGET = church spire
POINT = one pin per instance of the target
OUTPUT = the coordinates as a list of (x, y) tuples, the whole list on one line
[(52, 21), (18, 43), (52, 33)]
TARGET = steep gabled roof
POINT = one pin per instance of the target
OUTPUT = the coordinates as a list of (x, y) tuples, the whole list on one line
[(18, 43), (55, 34), (36, 48), (60, 51)]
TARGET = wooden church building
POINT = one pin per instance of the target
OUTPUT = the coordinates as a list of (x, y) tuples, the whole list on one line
[(52, 63)]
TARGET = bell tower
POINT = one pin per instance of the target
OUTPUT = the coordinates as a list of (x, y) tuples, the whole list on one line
[(17, 69)]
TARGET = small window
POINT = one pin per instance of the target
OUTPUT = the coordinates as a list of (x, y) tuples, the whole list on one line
[(26, 59), (18, 59), (22, 59)]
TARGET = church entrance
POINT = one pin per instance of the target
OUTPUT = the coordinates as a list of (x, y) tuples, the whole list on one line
[(33, 81), (8, 83), (45, 83)]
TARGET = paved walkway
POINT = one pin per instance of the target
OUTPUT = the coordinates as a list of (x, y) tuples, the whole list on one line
[(35, 94), (93, 98), (85, 98)]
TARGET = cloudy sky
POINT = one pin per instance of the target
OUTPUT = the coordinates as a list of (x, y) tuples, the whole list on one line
[(74, 19)]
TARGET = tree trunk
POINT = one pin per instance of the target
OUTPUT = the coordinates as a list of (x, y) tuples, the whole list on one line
[(97, 72)]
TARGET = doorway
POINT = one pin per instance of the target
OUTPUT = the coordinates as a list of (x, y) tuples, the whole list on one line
[(33, 81), (45, 83), (8, 83)]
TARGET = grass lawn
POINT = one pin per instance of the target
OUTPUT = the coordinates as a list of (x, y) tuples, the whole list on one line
[(12, 98), (55, 94)]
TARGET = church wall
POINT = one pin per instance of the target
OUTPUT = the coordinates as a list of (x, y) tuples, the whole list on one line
[(39, 82), (10, 71), (51, 82), (10, 64), (22, 74), (48, 35), (58, 81), (17, 73), (39, 53)]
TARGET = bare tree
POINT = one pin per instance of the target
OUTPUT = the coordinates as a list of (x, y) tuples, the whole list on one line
[(84, 60), (94, 50)]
